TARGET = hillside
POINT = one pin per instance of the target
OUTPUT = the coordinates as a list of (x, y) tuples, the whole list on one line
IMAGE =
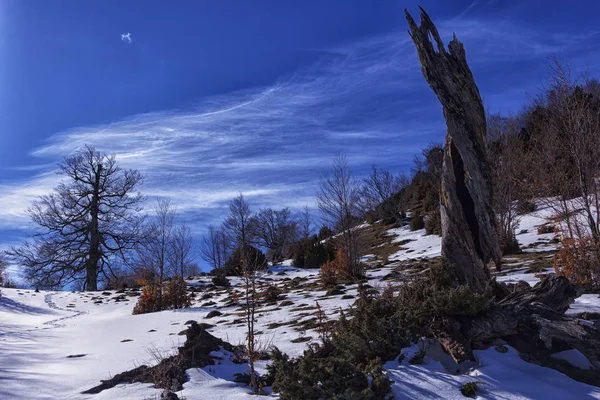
[(58, 344)]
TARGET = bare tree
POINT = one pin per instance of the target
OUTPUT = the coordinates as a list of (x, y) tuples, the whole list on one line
[(250, 268), (275, 230), (215, 248), (377, 191), (507, 159), (337, 199), (155, 251), (305, 223), (565, 147), (238, 224), (3, 265), (181, 254), (89, 222)]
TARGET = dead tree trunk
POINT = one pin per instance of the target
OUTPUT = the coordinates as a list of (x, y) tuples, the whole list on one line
[(469, 233), (530, 319)]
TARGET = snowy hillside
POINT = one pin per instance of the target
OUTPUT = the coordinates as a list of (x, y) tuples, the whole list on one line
[(58, 344)]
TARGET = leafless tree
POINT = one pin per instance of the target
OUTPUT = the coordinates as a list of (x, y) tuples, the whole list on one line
[(338, 199), (250, 269), (305, 223), (182, 255), (507, 162), (569, 149), (215, 249), (275, 230), (377, 191), (154, 252), (3, 265), (237, 225), (90, 221)]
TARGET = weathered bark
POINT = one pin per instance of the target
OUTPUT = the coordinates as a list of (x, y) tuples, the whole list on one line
[(469, 233), (530, 319), (94, 256)]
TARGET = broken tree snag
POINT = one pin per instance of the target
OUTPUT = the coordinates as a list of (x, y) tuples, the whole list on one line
[(469, 233)]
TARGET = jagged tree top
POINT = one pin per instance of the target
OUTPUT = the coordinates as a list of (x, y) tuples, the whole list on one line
[(436, 64)]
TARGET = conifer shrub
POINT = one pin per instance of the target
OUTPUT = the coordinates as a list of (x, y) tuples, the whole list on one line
[(508, 244), (526, 207), (311, 253), (348, 363), (417, 222), (221, 280), (255, 258), (313, 376), (470, 389), (271, 293), (433, 223)]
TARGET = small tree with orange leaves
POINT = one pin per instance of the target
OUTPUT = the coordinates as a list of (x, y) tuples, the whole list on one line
[(335, 269), (579, 261)]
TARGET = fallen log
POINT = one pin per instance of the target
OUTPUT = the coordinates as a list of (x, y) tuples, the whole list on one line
[(531, 320)]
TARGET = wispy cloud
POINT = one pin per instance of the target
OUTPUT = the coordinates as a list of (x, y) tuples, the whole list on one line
[(126, 37), (367, 99)]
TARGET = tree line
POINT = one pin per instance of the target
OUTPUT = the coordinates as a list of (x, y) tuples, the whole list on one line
[(93, 232)]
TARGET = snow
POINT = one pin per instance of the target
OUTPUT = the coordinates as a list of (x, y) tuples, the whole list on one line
[(503, 376), (415, 244), (585, 303), (39, 331), (575, 358)]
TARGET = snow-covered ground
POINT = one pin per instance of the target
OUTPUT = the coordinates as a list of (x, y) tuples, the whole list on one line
[(54, 345)]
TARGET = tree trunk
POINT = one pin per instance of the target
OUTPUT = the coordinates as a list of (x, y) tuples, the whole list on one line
[(94, 256), (469, 232)]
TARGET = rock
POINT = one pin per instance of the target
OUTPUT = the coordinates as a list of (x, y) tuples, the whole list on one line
[(501, 348), (334, 292), (169, 373), (214, 313), (168, 395)]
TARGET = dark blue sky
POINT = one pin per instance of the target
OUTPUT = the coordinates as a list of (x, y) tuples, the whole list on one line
[(212, 98)]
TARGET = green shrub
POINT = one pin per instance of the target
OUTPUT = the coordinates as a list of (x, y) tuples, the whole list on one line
[(271, 293), (254, 257), (311, 253), (509, 244), (313, 376), (526, 207), (376, 329), (433, 223), (221, 280), (470, 389), (417, 222)]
